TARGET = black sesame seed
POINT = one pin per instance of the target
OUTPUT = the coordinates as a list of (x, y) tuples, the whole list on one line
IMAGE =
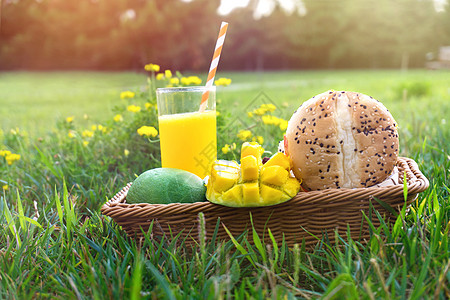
[(367, 165)]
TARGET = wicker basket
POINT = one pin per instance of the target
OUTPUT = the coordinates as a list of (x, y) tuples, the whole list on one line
[(307, 214)]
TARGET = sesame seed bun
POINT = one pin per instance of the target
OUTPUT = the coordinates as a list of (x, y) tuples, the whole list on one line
[(342, 140)]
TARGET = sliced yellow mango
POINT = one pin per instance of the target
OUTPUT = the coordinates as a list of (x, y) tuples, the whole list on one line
[(252, 183)]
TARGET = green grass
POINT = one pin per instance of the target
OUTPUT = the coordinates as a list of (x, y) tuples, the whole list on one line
[(55, 244)]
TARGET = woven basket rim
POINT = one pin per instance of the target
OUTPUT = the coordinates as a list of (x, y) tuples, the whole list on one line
[(416, 183)]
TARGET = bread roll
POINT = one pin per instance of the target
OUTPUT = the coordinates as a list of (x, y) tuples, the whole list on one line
[(342, 140)]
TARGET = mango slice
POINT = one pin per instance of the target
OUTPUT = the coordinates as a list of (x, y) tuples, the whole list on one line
[(252, 183)]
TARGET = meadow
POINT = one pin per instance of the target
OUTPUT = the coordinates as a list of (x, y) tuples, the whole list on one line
[(77, 141)]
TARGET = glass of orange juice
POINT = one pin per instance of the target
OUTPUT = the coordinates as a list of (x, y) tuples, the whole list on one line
[(188, 136)]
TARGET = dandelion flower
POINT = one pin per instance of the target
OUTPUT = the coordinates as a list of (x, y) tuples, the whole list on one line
[(168, 74), (5, 153), (118, 118), (222, 82), (159, 76), (250, 114), (244, 135), (85, 143), (226, 149), (174, 81), (11, 158), (133, 108), (284, 125), (87, 133), (148, 131), (152, 67), (5, 187), (126, 152), (217, 113), (69, 119), (127, 95)]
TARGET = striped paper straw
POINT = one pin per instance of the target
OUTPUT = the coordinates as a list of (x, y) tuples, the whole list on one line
[(214, 63)]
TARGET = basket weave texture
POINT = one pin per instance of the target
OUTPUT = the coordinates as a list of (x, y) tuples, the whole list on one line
[(307, 214)]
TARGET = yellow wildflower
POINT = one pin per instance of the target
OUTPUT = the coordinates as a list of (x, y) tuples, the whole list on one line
[(85, 143), (175, 81), (159, 76), (194, 80), (10, 158), (4, 153), (268, 107), (94, 127), (244, 134), (152, 67), (118, 118), (217, 113), (283, 124), (148, 131), (258, 139), (69, 119), (5, 187), (127, 95), (168, 74), (133, 108), (259, 111), (87, 133), (126, 152), (71, 134), (250, 114), (223, 81), (226, 149), (149, 105)]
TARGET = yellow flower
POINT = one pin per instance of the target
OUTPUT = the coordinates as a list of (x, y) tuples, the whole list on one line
[(133, 108), (284, 125), (223, 81), (127, 95), (69, 119), (159, 76), (244, 134), (71, 134), (4, 153), (217, 113), (269, 107), (175, 81), (10, 158), (194, 80), (152, 68), (118, 118), (168, 74), (85, 143), (85, 116), (94, 127), (250, 114), (148, 131), (226, 149), (126, 152), (149, 105), (258, 139), (5, 187), (87, 133), (259, 111)]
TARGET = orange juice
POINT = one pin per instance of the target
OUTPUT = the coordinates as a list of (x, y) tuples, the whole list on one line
[(188, 141)]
